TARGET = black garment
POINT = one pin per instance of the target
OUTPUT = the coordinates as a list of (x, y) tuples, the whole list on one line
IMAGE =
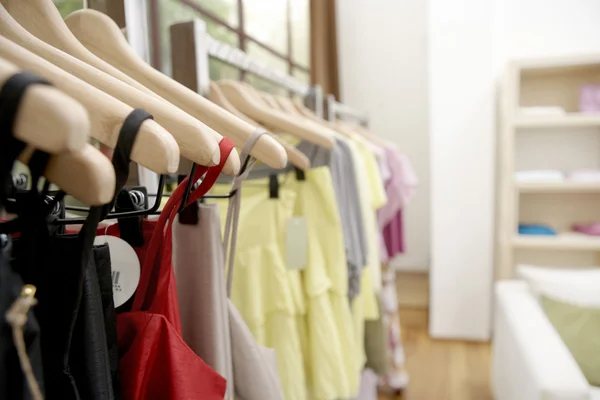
[(102, 260), (13, 384), (76, 314)]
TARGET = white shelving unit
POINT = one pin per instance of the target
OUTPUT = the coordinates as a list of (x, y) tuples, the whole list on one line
[(563, 142), (557, 187), (563, 241), (571, 120)]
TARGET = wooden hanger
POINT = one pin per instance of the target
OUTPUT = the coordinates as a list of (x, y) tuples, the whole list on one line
[(101, 35), (340, 128), (51, 121), (286, 105), (362, 131), (269, 100), (155, 148), (302, 109), (274, 119), (87, 174), (196, 141), (295, 156), (216, 96), (48, 119), (42, 19)]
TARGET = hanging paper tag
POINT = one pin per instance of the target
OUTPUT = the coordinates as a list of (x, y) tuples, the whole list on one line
[(125, 267), (296, 242)]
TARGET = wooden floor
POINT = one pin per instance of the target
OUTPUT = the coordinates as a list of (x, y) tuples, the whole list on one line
[(439, 369)]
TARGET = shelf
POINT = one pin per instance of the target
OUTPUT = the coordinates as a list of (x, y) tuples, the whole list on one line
[(558, 121), (558, 187), (553, 63), (563, 241)]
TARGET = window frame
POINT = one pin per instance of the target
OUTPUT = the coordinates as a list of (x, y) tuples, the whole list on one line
[(243, 37)]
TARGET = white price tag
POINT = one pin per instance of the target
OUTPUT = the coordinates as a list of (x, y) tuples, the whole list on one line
[(296, 242), (125, 267)]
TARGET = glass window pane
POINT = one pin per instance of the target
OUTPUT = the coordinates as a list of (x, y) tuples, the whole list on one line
[(172, 12), (225, 9), (301, 75), (219, 70), (264, 85), (66, 7), (266, 58), (266, 21), (300, 20)]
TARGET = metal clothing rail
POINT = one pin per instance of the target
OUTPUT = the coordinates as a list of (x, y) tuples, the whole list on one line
[(239, 59), (336, 109), (206, 46)]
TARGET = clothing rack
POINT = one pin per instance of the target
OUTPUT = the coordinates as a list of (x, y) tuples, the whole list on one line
[(336, 109), (207, 46)]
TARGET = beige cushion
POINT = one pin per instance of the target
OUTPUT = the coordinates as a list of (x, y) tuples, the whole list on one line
[(573, 285), (579, 328)]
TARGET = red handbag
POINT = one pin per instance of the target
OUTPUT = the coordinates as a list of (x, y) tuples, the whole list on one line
[(154, 361)]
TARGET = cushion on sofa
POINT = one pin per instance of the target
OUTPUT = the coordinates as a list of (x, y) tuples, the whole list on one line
[(579, 328), (576, 286)]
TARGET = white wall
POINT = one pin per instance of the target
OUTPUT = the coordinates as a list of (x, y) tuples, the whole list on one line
[(383, 71), (461, 74), (538, 28), (426, 73), (470, 43)]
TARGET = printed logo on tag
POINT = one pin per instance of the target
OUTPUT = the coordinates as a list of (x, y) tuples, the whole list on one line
[(296, 243), (125, 267)]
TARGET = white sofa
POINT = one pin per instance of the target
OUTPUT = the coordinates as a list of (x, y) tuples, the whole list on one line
[(530, 361)]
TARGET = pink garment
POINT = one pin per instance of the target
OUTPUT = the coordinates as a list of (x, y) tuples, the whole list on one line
[(396, 377), (393, 235), (400, 187)]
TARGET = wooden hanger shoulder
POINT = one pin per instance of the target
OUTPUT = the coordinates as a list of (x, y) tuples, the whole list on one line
[(270, 101), (42, 19), (286, 105), (294, 156), (274, 119), (106, 114), (48, 119), (99, 34), (216, 96), (195, 139), (364, 133), (86, 174), (302, 109)]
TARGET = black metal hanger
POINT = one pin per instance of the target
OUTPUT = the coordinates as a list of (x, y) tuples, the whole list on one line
[(117, 215)]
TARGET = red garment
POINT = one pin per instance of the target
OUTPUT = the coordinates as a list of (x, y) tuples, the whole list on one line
[(154, 361)]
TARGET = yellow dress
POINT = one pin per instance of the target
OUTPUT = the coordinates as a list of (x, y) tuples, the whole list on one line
[(268, 294), (304, 315), (376, 198), (332, 365)]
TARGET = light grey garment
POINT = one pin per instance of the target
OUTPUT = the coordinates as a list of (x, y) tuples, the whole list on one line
[(343, 175), (199, 267), (255, 367), (368, 385)]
